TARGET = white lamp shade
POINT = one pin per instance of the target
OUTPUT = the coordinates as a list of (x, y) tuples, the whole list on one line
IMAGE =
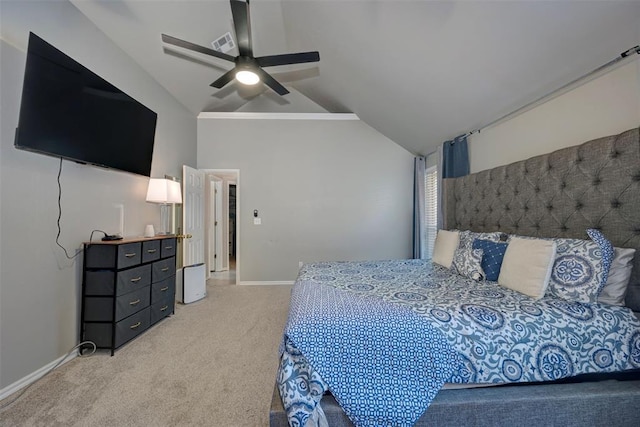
[(164, 191), (175, 194)]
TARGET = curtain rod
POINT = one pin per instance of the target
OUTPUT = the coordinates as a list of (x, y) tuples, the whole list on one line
[(624, 55)]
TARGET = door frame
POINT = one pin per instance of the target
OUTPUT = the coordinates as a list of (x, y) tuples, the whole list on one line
[(213, 222), (238, 210)]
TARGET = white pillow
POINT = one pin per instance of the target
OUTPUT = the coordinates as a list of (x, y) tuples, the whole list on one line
[(619, 274), (527, 266), (445, 246)]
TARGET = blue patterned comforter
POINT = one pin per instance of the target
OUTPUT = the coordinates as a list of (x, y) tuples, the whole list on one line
[(385, 336)]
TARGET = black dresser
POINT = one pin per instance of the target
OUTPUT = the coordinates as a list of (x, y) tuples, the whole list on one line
[(127, 286)]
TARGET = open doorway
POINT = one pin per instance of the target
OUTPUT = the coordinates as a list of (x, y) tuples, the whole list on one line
[(221, 223)]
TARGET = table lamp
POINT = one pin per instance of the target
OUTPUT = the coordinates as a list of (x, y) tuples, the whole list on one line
[(166, 193)]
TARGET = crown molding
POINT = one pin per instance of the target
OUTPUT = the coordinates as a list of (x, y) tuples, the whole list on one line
[(277, 116)]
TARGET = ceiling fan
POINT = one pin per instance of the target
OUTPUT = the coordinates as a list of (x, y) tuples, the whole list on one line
[(248, 69)]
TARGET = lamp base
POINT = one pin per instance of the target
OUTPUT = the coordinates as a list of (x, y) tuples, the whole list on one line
[(165, 220)]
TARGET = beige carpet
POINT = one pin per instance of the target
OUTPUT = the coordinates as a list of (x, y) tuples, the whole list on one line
[(212, 364)]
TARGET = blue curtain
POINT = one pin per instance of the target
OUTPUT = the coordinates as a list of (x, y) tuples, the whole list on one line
[(455, 157), (419, 244)]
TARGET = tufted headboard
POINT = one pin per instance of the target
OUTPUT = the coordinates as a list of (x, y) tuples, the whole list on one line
[(560, 194)]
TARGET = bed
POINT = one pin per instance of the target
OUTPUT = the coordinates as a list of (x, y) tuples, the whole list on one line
[(562, 373)]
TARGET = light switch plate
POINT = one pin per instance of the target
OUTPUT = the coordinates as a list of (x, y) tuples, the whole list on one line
[(257, 221)]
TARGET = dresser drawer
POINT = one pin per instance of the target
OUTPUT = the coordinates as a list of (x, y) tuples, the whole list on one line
[(98, 309), (163, 289), (100, 256), (133, 279), (98, 333), (163, 269), (101, 282), (125, 330), (132, 302), (150, 250), (168, 247), (129, 254), (132, 326), (162, 309)]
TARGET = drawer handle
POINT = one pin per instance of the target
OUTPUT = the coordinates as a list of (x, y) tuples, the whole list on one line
[(164, 289), (136, 302), (136, 279), (165, 269), (135, 326), (131, 255), (168, 247), (152, 251), (164, 308)]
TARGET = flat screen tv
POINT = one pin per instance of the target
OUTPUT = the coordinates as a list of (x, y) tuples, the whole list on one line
[(70, 112)]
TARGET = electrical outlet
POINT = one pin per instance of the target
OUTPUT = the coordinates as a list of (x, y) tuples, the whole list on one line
[(257, 221)]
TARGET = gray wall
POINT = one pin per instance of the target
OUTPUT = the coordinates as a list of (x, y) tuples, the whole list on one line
[(39, 287), (325, 190), (607, 105)]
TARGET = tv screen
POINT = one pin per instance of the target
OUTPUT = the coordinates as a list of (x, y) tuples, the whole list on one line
[(70, 112)]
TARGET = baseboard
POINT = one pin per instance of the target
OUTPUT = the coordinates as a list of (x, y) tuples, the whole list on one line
[(262, 283), (34, 376)]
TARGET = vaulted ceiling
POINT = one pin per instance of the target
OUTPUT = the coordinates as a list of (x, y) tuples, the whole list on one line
[(419, 72)]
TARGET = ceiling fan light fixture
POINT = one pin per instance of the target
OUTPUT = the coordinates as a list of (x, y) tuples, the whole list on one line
[(247, 77)]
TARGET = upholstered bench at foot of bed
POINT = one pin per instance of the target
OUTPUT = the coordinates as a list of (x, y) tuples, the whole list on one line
[(606, 403)]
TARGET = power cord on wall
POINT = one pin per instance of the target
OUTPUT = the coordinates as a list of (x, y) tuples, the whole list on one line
[(66, 253), (11, 401), (60, 215)]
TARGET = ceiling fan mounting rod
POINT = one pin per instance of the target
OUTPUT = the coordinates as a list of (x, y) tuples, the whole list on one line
[(246, 62)]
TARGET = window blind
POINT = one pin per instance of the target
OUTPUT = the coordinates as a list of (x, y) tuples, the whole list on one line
[(431, 207)]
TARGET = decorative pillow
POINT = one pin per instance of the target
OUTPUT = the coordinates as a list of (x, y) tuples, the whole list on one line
[(444, 247), (607, 254), (491, 258), (615, 289), (467, 263), (581, 268), (467, 238), (527, 265)]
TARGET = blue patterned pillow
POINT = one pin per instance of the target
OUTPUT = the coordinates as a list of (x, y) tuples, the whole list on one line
[(492, 257), (581, 268), (467, 238), (467, 262), (608, 253)]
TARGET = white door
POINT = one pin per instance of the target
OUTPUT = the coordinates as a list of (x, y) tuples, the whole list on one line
[(193, 216), (218, 226)]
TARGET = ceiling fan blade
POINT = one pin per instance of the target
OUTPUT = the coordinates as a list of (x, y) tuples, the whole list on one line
[(224, 79), (288, 58), (242, 25), (191, 46), (271, 82)]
